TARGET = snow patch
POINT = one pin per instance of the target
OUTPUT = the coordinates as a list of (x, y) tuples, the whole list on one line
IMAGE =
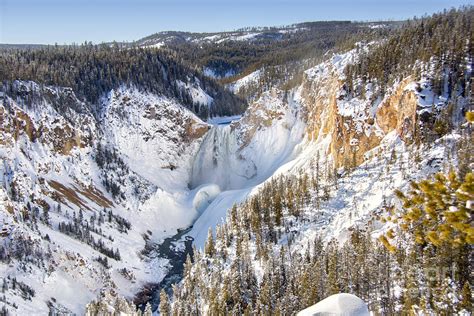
[(341, 304), (244, 82), (197, 93)]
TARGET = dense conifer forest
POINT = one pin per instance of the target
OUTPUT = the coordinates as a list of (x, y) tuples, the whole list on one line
[(93, 70)]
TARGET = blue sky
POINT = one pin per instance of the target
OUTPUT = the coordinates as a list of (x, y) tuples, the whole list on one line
[(68, 21)]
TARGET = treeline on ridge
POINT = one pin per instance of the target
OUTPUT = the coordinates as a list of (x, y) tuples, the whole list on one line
[(93, 70), (444, 40)]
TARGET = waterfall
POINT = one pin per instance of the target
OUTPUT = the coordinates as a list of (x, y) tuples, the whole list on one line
[(219, 161), (213, 160)]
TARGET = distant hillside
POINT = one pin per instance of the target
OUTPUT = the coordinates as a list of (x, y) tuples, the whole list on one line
[(230, 53), (280, 54), (93, 70)]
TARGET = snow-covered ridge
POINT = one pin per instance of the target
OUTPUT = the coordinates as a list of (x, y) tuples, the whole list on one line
[(163, 38)]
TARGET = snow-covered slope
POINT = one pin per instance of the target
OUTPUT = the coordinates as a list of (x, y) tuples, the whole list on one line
[(246, 81), (77, 190)]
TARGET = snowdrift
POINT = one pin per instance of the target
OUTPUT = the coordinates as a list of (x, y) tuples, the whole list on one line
[(338, 304)]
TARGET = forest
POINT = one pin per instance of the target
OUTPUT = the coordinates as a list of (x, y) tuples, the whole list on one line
[(93, 70), (441, 41)]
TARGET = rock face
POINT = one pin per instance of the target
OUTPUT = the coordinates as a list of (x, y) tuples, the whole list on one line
[(398, 111), (36, 116), (156, 136), (355, 123), (341, 304)]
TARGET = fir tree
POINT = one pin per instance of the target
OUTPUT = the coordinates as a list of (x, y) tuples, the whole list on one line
[(438, 211), (210, 248), (164, 304)]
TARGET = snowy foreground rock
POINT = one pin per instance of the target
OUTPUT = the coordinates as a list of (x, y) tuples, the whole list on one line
[(338, 304)]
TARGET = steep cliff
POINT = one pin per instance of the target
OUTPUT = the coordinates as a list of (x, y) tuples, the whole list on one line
[(357, 122)]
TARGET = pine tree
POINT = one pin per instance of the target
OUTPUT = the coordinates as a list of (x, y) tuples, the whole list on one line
[(438, 211), (187, 266), (332, 266), (46, 215), (278, 209), (213, 302), (466, 301), (210, 248), (265, 297), (165, 307), (225, 296), (255, 214), (4, 285)]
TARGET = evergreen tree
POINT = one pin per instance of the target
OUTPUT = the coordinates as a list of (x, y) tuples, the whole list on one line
[(438, 211), (466, 302), (165, 307), (210, 248), (148, 311)]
